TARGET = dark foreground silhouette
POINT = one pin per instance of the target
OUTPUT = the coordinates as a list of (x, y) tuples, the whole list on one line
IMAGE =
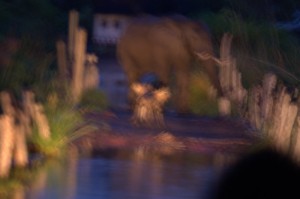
[(265, 174)]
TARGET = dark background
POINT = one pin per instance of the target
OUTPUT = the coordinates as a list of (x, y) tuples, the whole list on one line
[(49, 18), (276, 9), (29, 29)]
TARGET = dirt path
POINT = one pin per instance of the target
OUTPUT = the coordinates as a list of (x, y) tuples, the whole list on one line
[(113, 82)]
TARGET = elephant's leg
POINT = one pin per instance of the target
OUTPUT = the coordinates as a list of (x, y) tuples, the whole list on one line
[(132, 74), (132, 96)]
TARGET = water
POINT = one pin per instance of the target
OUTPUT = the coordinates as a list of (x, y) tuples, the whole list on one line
[(113, 178)]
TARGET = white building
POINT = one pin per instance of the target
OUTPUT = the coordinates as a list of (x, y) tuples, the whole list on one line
[(107, 28)]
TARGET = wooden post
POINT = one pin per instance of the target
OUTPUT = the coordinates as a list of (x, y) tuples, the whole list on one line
[(226, 62), (6, 134), (287, 119), (28, 100), (41, 121), (288, 126), (19, 193), (254, 109), (269, 83), (36, 112), (78, 66), (91, 73), (20, 149), (284, 117), (230, 78), (277, 114), (296, 149), (13, 139), (6, 144), (7, 104), (224, 106), (62, 60), (73, 26)]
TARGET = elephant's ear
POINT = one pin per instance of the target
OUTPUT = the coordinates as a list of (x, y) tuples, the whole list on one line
[(162, 95), (139, 89)]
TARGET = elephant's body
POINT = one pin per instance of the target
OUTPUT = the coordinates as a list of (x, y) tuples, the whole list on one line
[(165, 46)]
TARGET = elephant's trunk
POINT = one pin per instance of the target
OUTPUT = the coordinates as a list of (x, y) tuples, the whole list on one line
[(212, 70)]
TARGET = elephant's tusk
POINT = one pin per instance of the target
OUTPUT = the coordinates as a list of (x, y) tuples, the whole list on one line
[(204, 56), (207, 56)]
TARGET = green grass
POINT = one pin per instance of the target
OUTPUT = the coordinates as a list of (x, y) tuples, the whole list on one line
[(63, 122), (19, 179), (201, 103), (8, 186), (93, 100)]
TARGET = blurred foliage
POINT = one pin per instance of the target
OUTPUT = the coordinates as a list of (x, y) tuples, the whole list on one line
[(46, 21), (21, 179), (63, 121), (8, 187), (202, 100), (259, 10), (34, 18), (263, 9), (29, 66), (258, 47), (35, 25), (28, 34), (93, 100)]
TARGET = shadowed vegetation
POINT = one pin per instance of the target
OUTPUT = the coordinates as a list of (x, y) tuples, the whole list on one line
[(258, 47), (63, 123), (202, 100)]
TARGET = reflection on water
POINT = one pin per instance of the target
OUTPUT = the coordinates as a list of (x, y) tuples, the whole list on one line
[(135, 178)]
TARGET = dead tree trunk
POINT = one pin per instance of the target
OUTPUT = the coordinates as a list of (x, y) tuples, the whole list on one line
[(230, 77), (78, 66)]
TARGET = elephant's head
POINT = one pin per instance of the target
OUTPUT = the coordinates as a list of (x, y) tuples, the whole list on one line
[(166, 47), (198, 39)]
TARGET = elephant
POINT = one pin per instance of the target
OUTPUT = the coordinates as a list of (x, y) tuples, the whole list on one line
[(166, 46)]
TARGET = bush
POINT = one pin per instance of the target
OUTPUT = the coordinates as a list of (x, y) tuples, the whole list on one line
[(28, 67), (202, 101), (93, 100)]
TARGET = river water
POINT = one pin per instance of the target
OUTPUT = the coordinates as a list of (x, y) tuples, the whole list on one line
[(117, 178)]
